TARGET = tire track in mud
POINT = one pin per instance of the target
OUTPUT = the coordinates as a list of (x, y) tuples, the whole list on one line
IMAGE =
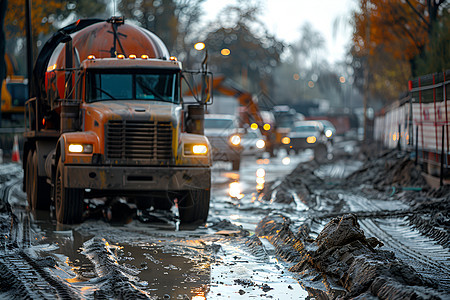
[(424, 254), (23, 275), (116, 281), (427, 257)]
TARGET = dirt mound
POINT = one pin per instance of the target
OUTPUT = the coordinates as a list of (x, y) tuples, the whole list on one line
[(344, 257), (392, 168), (299, 183)]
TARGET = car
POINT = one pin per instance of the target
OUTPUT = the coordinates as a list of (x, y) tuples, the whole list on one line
[(224, 136), (305, 135), (253, 143)]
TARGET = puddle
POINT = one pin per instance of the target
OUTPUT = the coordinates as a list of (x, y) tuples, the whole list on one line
[(168, 274)]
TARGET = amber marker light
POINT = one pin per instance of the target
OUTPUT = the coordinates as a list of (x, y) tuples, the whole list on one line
[(311, 139), (120, 56), (173, 58), (51, 68), (91, 56), (132, 56), (254, 126), (286, 140), (144, 56), (266, 127)]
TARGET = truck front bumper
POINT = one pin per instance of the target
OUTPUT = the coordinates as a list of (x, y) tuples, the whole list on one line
[(136, 178)]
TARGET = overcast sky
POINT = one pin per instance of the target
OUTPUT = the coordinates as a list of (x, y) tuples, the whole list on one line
[(284, 18)]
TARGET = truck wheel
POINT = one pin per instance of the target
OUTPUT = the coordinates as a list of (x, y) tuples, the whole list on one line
[(68, 201), (40, 189), (29, 178), (194, 207), (236, 164)]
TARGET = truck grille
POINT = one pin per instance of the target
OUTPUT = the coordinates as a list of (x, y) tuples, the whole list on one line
[(129, 140)]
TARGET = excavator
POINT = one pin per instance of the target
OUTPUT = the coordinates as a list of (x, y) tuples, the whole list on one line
[(250, 112), (14, 93)]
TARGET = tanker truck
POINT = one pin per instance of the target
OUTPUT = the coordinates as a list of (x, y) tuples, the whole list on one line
[(106, 119)]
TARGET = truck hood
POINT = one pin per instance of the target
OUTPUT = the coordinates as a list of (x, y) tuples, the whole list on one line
[(102, 111)]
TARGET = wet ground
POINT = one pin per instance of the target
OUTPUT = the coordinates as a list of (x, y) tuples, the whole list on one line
[(267, 237)]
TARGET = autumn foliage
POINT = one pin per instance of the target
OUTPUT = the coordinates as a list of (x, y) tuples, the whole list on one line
[(389, 37)]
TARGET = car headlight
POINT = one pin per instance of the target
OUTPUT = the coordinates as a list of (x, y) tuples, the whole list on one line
[(286, 140), (81, 148), (311, 139), (260, 144), (195, 149), (328, 133), (235, 140)]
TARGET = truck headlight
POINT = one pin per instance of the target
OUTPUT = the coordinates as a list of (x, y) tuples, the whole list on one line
[(328, 133), (260, 144), (80, 148), (195, 149), (235, 140), (311, 139), (286, 140)]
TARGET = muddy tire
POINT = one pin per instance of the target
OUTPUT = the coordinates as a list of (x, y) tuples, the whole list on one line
[(68, 201), (194, 207), (236, 164), (40, 189)]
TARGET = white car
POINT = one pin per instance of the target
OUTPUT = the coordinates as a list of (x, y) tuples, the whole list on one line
[(225, 138), (253, 143)]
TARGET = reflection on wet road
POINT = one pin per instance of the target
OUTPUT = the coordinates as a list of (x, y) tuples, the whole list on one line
[(153, 258), (236, 196)]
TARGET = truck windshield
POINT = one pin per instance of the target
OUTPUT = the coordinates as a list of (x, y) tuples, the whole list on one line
[(110, 85)]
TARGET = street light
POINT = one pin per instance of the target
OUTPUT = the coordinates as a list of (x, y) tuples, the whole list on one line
[(199, 46), (225, 52)]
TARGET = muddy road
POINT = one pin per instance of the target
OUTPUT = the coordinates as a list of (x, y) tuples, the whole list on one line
[(281, 228)]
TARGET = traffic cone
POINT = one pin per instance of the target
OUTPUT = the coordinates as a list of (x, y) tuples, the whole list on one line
[(15, 151)]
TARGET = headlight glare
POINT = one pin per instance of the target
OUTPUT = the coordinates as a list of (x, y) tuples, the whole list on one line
[(260, 144), (286, 140), (311, 139), (80, 148), (199, 149), (235, 140), (328, 133), (195, 149)]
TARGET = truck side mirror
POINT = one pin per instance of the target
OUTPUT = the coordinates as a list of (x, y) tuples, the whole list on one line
[(200, 87)]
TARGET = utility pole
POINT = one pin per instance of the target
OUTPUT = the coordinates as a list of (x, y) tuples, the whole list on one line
[(366, 70), (29, 44), (3, 7)]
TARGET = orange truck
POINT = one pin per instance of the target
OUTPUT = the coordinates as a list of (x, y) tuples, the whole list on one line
[(106, 119)]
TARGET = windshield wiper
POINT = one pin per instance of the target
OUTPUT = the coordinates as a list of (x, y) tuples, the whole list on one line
[(150, 90), (106, 93)]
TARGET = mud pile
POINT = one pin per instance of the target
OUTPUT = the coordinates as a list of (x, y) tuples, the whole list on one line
[(300, 181), (392, 168), (342, 256)]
